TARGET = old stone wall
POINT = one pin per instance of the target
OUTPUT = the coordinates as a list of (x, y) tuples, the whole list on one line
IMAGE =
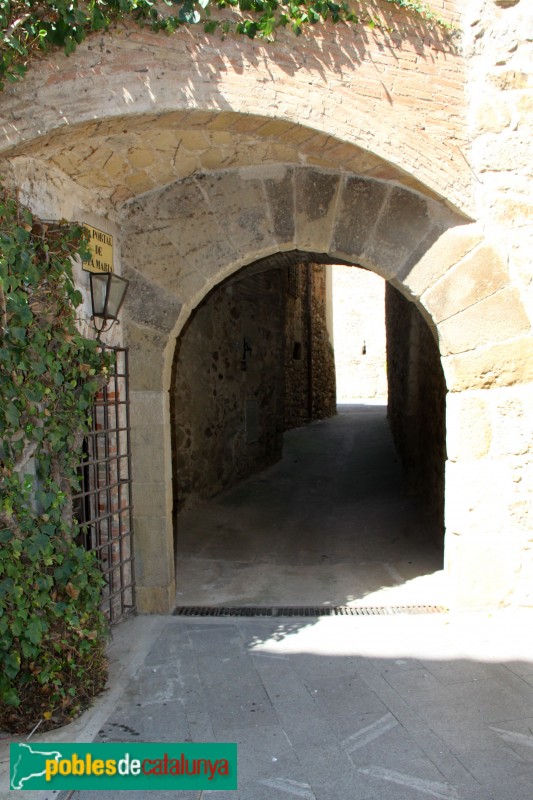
[(309, 361), (119, 122), (498, 44), (227, 391), (417, 404), (489, 474), (395, 149), (359, 335)]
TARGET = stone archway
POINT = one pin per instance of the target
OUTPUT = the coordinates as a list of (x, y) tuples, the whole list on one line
[(353, 146), (180, 242)]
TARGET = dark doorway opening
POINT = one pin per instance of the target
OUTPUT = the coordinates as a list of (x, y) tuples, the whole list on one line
[(331, 523)]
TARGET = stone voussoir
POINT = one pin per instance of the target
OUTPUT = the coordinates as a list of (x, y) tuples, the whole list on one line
[(496, 318), (478, 275), (449, 249), (402, 225), (315, 208), (360, 203)]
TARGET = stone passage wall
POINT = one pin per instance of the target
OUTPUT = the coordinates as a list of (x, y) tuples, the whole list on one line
[(359, 335), (228, 387), (309, 362), (417, 402)]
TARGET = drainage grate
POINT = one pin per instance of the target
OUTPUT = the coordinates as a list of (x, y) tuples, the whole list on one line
[(305, 611)]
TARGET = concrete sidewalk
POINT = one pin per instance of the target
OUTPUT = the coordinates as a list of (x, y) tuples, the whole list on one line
[(330, 708)]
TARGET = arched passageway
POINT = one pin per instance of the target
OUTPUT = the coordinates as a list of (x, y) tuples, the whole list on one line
[(359, 148), (330, 524), (338, 519), (181, 242)]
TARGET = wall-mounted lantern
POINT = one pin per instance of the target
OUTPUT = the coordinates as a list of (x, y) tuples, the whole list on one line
[(107, 294)]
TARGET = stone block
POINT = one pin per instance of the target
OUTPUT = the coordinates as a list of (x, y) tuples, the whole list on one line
[(192, 140), (150, 447), (156, 599), (146, 357), (151, 499), (280, 192), (497, 365), (481, 273), (513, 428), (149, 304), (403, 223), (449, 248), (315, 205), (139, 182), (211, 159), (275, 128), (510, 79), (468, 427), (140, 158), (154, 551), (508, 206), (148, 406), (237, 200), (496, 318), (194, 242), (485, 568), (432, 236), (478, 493), (509, 151), (492, 116), (359, 205)]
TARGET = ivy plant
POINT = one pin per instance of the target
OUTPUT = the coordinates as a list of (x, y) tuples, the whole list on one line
[(30, 27), (52, 634)]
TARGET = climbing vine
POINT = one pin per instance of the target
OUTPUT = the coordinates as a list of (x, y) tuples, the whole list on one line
[(52, 635), (30, 27)]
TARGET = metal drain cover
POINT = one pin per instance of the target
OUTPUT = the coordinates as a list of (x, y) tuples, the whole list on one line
[(305, 611)]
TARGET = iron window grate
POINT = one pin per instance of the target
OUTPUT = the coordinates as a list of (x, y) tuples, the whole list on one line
[(103, 505), (306, 611)]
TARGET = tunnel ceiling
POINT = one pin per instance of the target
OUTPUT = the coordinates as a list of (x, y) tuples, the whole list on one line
[(286, 259), (122, 158)]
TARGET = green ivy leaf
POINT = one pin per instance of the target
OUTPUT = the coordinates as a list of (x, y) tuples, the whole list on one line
[(12, 415), (188, 14), (11, 664)]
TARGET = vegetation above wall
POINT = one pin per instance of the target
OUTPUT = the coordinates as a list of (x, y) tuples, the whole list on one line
[(52, 634), (32, 27)]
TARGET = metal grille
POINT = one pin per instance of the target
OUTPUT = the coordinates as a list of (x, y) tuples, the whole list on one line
[(305, 611), (103, 505)]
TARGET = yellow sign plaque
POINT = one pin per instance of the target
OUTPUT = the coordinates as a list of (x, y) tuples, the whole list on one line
[(101, 248)]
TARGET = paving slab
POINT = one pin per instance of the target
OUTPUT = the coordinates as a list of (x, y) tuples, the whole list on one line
[(343, 708), (293, 535)]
